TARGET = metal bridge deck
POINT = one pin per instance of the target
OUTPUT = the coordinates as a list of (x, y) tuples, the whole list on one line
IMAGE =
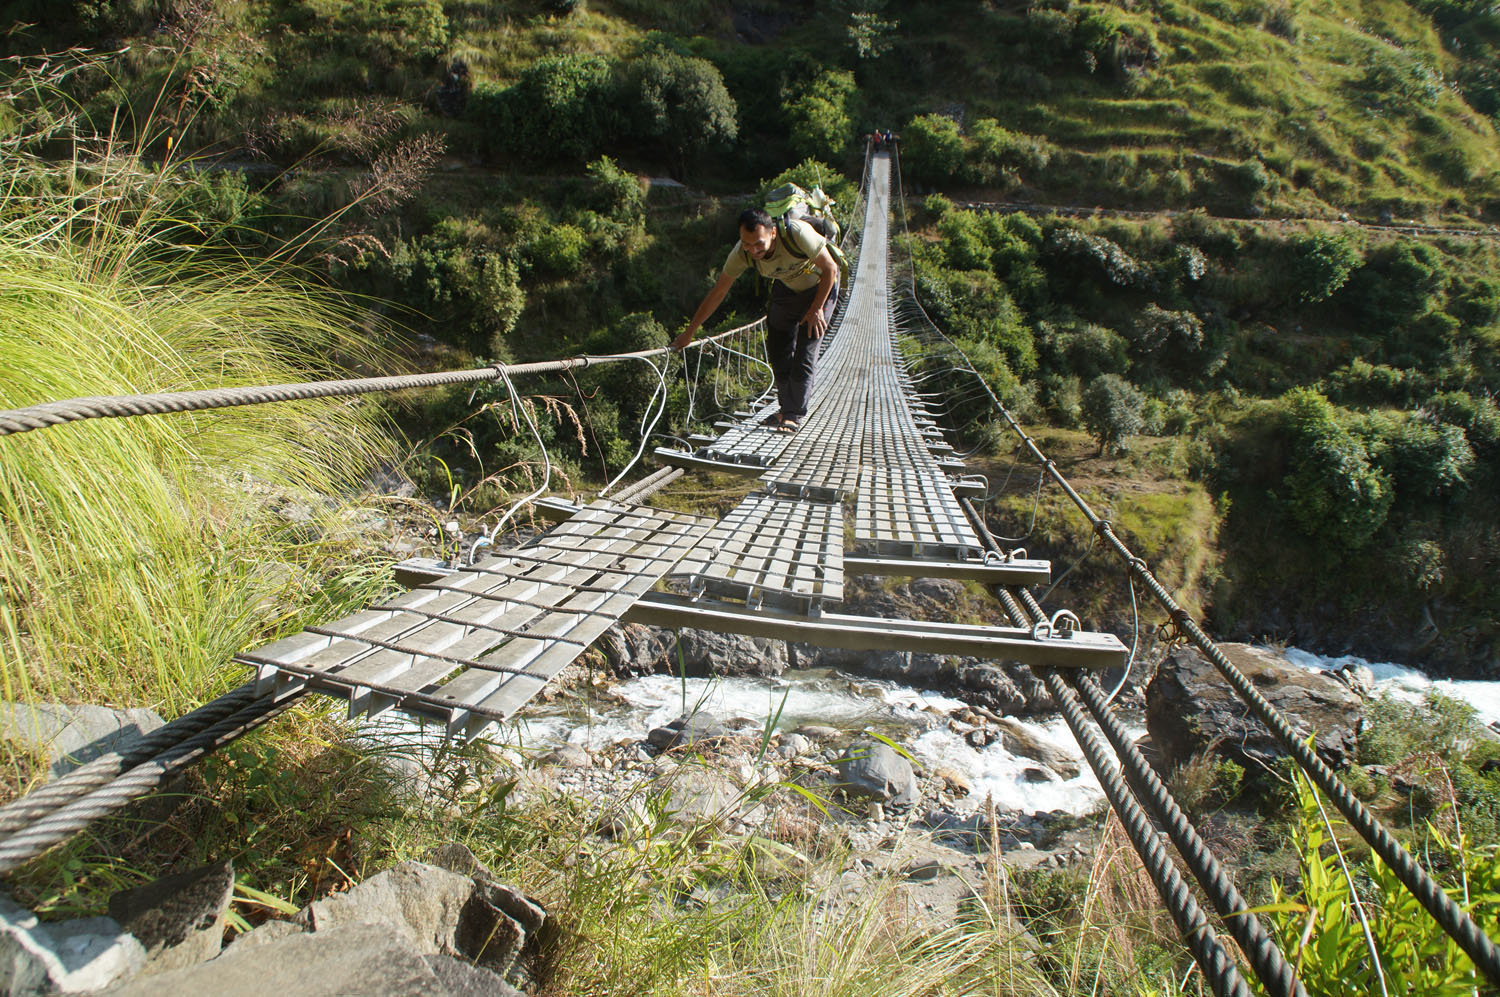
[(475, 645), (771, 551)]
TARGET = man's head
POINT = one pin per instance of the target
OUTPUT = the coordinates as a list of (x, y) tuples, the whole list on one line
[(757, 233)]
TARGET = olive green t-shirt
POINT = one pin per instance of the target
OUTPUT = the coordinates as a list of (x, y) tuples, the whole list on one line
[(782, 264)]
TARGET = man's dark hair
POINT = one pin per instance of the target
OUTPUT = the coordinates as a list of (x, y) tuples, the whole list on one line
[(755, 217)]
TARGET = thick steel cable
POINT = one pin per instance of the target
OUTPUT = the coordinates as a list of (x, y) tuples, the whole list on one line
[(104, 769), (1450, 917), (1198, 935), (1265, 958), (46, 414), (134, 783), (1216, 964)]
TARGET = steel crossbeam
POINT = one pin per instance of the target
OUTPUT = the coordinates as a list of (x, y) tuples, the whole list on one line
[(1079, 649), (474, 646)]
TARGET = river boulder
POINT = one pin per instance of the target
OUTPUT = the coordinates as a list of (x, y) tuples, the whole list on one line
[(872, 770), (1191, 708)]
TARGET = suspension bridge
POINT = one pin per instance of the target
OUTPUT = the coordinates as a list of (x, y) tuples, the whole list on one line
[(867, 485)]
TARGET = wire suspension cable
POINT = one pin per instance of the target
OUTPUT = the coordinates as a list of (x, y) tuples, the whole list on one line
[(56, 413)]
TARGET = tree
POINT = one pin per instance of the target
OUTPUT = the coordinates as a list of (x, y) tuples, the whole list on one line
[(1112, 410), (871, 34), (1322, 264), (820, 123), (932, 148), (681, 102)]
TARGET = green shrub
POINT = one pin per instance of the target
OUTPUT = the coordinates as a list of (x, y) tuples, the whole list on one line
[(993, 154), (1334, 956), (1476, 302), (932, 148), (1112, 410), (558, 250), (561, 108), (1321, 265), (821, 117), (679, 102), (1398, 284), (471, 294), (617, 193), (1083, 348), (1334, 490), (1423, 457)]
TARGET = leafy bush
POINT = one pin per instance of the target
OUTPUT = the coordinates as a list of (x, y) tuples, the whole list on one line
[(469, 292), (559, 109), (617, 193), (1103, 255), (932, 148), (1424, 457), (1321, 265), (1112, 410), (1397, 284), (1476, 302), (994, 154), (680, 102), (820, 117), (558, 250), (1084, 348), (1335, 491), (1156, 327), (1335, 957)]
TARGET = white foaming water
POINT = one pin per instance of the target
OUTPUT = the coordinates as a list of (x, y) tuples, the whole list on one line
[(1409, 683), (997, 773), (917, 720)]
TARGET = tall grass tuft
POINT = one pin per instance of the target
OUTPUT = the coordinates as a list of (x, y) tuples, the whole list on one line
[(136, 555)]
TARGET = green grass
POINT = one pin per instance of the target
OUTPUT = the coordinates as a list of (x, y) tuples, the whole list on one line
[(139, 554)]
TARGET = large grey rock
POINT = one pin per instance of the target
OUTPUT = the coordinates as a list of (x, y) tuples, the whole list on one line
[(178, 919), (1015, 738), (632, 649), (67, 957), (463, 979), (706, 653), (422, 902), (354, 958), (871, 770), (1189, 707), (437, 912), (694, 729), (68, 736)]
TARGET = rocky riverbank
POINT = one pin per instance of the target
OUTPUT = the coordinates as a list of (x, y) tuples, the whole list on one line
[(830, 811)]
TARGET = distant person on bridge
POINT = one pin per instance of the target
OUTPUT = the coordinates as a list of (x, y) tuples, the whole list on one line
[(804, 291)]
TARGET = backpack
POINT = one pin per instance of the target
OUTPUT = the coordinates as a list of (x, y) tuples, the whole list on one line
[(814, 209)]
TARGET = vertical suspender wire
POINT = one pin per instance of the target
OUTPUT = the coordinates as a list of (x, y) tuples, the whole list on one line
[(646, 430)]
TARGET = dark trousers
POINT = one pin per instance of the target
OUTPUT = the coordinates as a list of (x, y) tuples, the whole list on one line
[(793, 353)]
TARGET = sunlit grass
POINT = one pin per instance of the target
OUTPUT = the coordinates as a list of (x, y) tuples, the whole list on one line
[(138, 554)]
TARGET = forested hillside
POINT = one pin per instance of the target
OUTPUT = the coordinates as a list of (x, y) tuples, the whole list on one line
[(1318, 392)]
